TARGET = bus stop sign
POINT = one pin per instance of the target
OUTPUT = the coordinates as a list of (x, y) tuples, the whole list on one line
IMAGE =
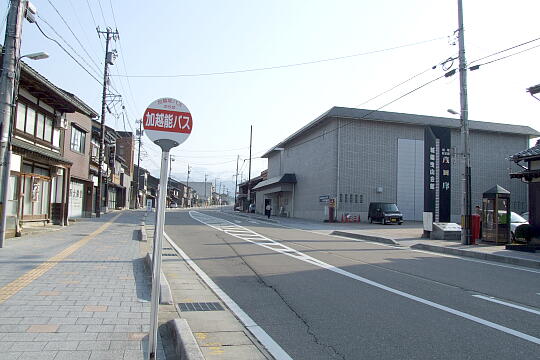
[(167, 120)]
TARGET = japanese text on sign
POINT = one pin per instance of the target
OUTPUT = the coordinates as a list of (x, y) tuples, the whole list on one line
[(432, 168), (171, 121), (445, 167)]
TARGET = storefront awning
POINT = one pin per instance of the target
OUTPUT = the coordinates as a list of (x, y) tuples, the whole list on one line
[(278, 180), (28, 148)]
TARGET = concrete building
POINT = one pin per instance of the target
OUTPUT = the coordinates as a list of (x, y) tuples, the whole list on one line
[(351, 157), (77, 149), (40, 173)]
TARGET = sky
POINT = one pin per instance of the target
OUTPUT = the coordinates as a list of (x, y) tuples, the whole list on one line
[(313, 54)]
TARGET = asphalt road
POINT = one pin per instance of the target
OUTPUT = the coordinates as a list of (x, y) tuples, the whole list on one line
[(326, 297)]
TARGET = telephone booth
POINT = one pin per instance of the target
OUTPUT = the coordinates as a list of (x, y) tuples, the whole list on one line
[(496, 215)]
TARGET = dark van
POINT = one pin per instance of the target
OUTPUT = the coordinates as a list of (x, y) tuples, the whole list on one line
[(386, 213)]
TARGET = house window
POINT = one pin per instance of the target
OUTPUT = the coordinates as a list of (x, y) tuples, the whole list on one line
[(21, 116), (346, 197), (78, 139), (340, 197), (40, 126), (30, 121), (47, 135), (36, 124), (361, 198), (356, 198), (56, 137)]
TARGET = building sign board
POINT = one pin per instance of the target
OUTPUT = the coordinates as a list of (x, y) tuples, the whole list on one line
[(437, 172)]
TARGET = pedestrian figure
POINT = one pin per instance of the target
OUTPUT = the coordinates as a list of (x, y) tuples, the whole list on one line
[(268, 210)]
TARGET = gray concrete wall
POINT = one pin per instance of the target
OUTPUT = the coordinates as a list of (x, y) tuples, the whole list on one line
[(490, 167), (315, 166), (368, 160)]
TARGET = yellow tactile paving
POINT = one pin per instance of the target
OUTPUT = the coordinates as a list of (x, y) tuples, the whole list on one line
[(16, 285)]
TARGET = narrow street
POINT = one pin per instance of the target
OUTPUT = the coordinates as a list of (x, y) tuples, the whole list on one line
[(326, 297)]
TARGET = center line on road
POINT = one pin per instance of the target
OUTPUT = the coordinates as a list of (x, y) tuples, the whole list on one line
[(223, 225), (492, 299)]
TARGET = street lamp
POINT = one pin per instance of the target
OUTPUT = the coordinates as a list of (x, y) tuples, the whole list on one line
[(36, 56), (5, 141)]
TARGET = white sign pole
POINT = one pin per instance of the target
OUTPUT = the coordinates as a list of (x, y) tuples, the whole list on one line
[(168, 123), (158, 246)]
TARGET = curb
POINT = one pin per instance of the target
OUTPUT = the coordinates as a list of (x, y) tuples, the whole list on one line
[(478, 255), (365, 237), (165, 294), (254, 217), (185, 345)]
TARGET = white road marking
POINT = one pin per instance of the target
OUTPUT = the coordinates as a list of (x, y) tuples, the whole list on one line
[(266, 340), (221, 225), (492, 299), (237, 221), (514, 267)]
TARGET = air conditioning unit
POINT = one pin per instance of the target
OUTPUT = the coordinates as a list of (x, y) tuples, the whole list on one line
[(60, 121)]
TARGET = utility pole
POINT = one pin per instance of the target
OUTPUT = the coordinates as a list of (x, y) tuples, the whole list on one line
[(11, 56), (466, 200), (236, 183), (220, 192), (187, 185), (205, 197), (215, 189), (109, 58), (249, 172), (137, 204)]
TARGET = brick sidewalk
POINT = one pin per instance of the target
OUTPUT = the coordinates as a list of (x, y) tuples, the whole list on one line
[(90, 300)]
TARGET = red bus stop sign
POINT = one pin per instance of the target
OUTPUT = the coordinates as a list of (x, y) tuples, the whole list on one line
[(167, 121)]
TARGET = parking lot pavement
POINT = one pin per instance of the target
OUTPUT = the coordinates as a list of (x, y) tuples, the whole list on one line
[(78, 293)]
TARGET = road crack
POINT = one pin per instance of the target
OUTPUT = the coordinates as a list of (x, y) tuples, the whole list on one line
[(262, 282)]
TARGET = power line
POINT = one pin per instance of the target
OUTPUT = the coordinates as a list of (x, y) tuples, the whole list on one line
[(396, 86), (94, 20), (102, 14), (75, 36), (123, 56), (369, 113), (452, 58), (65, 41), (501, 51), (67, 52), (475, 67), (447, 74), (286, 65)]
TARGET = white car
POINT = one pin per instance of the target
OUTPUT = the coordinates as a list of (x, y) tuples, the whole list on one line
[(515, 221)]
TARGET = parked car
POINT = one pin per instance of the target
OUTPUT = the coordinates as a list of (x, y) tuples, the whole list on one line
[(174, 205), (386, 213), (515, 221)]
